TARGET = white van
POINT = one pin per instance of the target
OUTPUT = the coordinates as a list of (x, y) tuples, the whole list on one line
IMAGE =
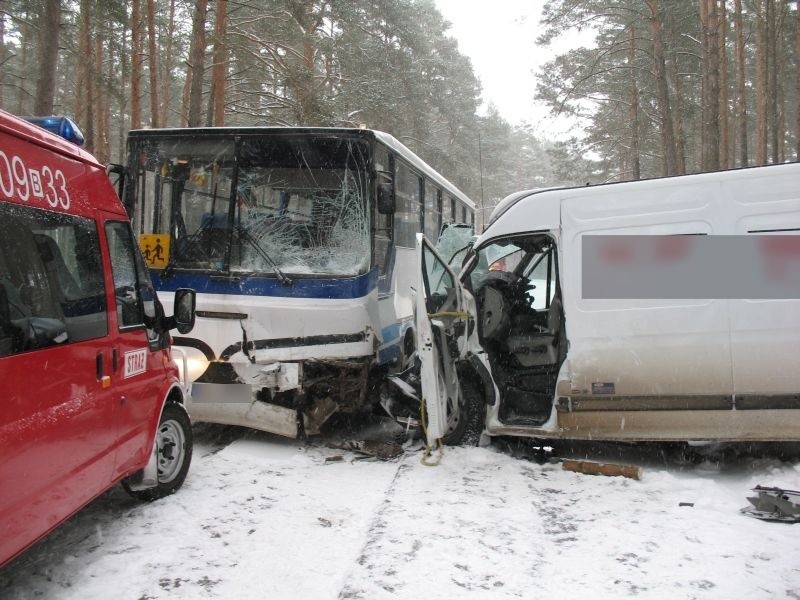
[(515, 344)]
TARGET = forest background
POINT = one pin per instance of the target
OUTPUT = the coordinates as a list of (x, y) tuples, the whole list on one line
[(666, 87)]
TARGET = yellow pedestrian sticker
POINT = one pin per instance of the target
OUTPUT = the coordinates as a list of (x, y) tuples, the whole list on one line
[(155, 249)]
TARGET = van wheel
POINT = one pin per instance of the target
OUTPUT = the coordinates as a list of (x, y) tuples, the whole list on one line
[(174, 448), (465, 421)]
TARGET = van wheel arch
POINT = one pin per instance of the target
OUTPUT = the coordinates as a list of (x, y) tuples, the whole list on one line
[(173, 443)]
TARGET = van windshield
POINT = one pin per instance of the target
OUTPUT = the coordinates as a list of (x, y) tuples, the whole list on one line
[(267, 204)]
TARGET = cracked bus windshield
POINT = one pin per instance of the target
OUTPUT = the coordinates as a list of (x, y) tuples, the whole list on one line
[(273, 204)]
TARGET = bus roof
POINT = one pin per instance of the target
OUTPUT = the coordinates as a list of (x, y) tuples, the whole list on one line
[(384, 138)]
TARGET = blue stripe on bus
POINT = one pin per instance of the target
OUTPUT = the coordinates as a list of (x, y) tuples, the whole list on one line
[(390, 353), (253, 285), (396, 331)]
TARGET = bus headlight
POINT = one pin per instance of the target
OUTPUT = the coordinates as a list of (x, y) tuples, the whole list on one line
[(196, 363)]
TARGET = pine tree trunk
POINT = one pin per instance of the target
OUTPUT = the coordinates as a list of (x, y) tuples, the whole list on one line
[(772, 80), (218, 73), (166, 74), (101, 149), (723, 86), (635, 167), (152, 62), (797, 83), (49, 28), (741, 85), (2, 52), (677, 112), (82, 68), (23, 62), (194, 115), (667, 132), (711, 137), (89, 126), (122, 99), (136, 64), (761, 86)]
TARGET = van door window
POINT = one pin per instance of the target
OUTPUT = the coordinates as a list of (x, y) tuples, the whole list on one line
[(137, 303), (51, 277)]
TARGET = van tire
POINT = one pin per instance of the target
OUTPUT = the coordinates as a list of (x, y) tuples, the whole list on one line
[(174, 431), (468, 426)]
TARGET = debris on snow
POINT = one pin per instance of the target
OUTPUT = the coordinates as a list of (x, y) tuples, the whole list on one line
[(607, 469), (382, 450), (774, 504)]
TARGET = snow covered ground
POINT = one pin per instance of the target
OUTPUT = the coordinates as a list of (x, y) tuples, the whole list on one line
[(262, 517)]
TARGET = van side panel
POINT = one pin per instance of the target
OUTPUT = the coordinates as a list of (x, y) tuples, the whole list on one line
[(624, 350), (765, 334), (57, 427)]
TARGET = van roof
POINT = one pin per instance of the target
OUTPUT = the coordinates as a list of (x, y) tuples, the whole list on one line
[(22, 129), (513, 210)]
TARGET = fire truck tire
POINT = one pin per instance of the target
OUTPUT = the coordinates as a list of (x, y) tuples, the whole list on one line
[(174, 447), (466, 425)]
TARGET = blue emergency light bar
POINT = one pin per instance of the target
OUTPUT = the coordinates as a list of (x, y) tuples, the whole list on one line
[(61, 126)]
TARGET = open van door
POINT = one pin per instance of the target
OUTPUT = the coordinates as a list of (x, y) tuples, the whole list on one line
[(441, 325)]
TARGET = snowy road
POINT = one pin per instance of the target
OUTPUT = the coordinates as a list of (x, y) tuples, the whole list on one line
[(262, 517)]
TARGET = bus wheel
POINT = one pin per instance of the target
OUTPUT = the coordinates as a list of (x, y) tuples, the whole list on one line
[(174, 448), (465, 421)]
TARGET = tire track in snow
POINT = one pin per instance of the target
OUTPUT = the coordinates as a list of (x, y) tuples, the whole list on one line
[(467, 528)]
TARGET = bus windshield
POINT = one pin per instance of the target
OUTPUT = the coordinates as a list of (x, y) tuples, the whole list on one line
[(269, 203)]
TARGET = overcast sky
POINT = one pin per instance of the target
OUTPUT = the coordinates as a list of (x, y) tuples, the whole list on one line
[(499, 37)]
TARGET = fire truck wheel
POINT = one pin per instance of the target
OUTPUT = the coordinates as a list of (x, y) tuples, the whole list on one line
[(465, 421), (174, 448)]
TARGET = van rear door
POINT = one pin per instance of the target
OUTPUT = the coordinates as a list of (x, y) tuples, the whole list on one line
[(441, 326)]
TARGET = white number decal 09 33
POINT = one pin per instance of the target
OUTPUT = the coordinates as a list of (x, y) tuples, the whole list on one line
[(6, 178), (14, 180), (21, 178)]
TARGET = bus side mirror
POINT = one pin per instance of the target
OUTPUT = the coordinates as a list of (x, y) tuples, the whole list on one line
[(183, 320), (385, 199)]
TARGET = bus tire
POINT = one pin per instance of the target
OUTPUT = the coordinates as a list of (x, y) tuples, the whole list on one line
[(464, 428), (174, 444)]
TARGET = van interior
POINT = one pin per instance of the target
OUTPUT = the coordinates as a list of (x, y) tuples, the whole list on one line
[(521, 323)]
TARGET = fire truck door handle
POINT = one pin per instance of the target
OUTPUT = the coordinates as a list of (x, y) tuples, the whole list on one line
[(100, 364), (114, 360)]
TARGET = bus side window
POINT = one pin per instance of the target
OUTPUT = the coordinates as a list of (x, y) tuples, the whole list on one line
[(383, 223), (433, 217), (406, 216)]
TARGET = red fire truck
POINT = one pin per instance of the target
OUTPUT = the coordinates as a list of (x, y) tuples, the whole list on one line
[(89, 394)]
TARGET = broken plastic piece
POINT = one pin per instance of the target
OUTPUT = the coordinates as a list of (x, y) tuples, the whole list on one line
[(774, 504)]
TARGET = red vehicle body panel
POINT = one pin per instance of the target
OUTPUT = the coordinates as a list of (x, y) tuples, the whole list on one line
[(75, 417)]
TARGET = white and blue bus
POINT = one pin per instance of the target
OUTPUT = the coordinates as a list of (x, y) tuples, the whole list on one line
[(300, 245)]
